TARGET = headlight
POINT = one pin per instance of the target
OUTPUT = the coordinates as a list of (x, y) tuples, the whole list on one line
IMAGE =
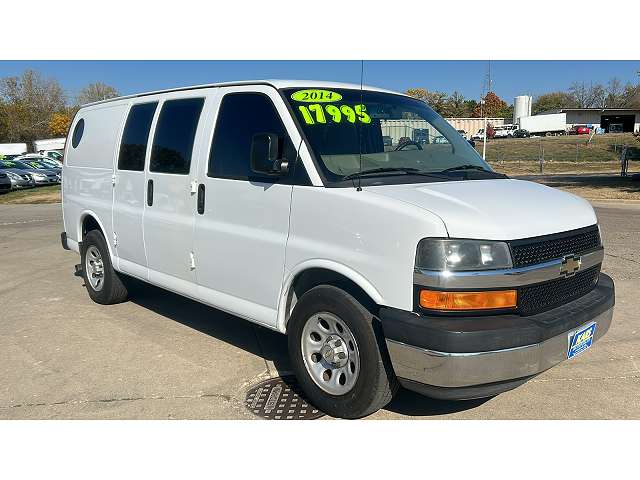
[(39, 175), (14, 176), (456, 255)]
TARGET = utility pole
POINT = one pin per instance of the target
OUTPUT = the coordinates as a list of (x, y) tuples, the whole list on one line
[(486, 83)]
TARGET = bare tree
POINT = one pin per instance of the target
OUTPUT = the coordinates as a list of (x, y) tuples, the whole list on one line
[(94, 92), (597, 95), (632, 96), (615, 93), (580, 93)]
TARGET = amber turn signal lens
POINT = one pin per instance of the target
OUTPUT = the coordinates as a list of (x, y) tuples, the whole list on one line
[(435, 300)]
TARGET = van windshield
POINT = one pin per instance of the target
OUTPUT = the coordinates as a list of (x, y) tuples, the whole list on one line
[(400, 139)]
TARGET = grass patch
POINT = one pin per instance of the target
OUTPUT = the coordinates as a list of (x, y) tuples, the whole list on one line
[(48, 194), (564, 148)]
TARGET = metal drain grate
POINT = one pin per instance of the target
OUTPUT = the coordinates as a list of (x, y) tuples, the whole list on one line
[(280, 399)]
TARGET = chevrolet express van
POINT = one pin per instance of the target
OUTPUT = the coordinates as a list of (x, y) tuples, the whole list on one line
[(385, 263)]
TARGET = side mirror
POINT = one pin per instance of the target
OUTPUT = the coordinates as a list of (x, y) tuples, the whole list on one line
[(266, 155)]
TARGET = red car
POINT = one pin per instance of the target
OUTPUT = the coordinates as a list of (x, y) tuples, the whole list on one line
[(580, 130)]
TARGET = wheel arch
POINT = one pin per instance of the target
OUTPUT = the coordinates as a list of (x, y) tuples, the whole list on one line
[(312, 273), (88, 221)]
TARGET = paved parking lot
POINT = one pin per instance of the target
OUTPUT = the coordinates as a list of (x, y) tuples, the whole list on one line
[(163, 356)]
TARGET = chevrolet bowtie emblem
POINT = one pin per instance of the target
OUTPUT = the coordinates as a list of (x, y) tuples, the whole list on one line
[(570, 265)]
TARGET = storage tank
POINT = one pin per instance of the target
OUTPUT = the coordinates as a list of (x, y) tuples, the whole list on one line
[(521, 107)]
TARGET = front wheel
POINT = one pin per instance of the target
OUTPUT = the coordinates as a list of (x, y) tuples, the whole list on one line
[(103, 284), (338, 354)]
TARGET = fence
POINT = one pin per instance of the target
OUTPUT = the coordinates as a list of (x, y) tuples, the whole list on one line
[(565, 149)]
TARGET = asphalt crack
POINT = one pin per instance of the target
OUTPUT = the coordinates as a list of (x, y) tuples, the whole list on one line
[(622, 258), (620, 377), (226, 398)]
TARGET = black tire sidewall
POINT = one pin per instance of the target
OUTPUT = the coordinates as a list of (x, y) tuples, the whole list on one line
[(96, 239), (357, 402)]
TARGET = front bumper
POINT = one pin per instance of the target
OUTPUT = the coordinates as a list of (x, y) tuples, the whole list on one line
[(473, 357)]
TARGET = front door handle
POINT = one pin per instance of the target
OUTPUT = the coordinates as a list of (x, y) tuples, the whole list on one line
[(201, 198), (150, 192)]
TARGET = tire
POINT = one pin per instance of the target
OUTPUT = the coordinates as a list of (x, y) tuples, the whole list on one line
[(108, 288), (374, 383)]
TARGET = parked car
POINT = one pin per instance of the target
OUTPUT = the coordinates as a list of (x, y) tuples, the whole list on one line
[(521, 133), (5, 182), (19, 180), (40, 176), (579, 130), (419, 267), (479, 135), (504, 131), (41, 163), (42, 158)]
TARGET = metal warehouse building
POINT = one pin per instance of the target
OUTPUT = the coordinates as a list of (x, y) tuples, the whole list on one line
[(610, 119)]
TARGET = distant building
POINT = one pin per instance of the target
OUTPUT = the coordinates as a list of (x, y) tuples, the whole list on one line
[(610, 119)]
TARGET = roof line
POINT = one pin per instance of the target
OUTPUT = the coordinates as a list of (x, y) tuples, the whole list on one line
[(180, 89)]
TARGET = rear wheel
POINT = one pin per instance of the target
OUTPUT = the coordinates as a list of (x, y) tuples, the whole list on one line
[(103, 284), (338, 354)]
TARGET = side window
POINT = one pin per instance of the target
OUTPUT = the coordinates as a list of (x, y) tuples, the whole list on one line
[(240, 117), (175, 134), (136, 136), (77, 133)]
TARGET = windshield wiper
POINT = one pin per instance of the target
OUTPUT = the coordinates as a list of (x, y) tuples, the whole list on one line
[(407, 170), (465, 167)]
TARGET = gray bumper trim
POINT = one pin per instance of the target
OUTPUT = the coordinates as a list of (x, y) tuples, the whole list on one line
[(442, 369), (511, 277)]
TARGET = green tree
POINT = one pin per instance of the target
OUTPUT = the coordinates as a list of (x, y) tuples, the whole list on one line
[(94, 92), (470, 107), (456, 106), (552, 101)]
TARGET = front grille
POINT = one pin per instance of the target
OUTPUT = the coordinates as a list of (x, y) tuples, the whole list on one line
[(540, 297), (532, 251)]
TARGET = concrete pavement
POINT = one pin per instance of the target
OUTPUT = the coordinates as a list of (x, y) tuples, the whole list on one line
[(163, 356)]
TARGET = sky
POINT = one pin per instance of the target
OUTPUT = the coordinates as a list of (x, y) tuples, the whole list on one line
[(509, 78)]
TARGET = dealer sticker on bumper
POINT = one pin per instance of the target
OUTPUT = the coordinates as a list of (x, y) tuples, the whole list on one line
[(581, 339)]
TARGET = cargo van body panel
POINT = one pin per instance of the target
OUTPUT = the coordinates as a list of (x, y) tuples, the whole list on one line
[(355, 220)]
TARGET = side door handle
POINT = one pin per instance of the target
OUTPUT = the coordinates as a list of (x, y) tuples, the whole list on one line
[(150, 192), (201, 198)]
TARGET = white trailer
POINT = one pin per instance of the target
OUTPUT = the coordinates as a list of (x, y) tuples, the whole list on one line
[(551, 123), (13, 148), (49, 144)]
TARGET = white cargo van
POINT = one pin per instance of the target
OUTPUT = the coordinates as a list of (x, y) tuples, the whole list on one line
[(280, 202)]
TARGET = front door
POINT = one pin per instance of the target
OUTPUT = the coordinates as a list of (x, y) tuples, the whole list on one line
[(241, 232), (170, 200)]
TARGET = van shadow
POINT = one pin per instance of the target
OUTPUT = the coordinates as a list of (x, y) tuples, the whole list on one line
[(265, 343)]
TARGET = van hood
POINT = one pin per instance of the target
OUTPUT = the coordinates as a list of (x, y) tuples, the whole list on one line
[(500, 209)]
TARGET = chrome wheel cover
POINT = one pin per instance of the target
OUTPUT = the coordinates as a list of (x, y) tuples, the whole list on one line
[(330, 353), (94, 268)]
